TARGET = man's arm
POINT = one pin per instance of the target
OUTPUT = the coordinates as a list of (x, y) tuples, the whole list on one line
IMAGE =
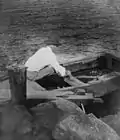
[(59, 69)]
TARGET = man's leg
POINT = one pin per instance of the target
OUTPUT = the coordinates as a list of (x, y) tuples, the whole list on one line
[(31, 84), (33, 76), (47, 71)]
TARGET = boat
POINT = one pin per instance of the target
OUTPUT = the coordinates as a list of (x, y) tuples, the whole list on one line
[(101, 72)]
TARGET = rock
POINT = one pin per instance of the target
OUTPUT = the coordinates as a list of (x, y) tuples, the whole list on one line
[(67, 106), (104, 129), (14, 118), (78, 126), (56, 120), (16, 122), (48, 114), (65, 120), (113, 121)]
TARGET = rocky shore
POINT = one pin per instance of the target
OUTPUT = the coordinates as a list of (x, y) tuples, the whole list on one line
[(55, 120)]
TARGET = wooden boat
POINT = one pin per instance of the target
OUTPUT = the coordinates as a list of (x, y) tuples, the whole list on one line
[(100, 72)]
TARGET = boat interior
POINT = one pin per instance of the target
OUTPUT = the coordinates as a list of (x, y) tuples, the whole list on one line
[(87, 70)]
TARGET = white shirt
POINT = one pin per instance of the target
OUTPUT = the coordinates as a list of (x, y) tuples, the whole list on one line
[(44, 57)]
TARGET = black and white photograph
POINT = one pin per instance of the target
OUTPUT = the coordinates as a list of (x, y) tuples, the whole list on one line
[(59, 69)]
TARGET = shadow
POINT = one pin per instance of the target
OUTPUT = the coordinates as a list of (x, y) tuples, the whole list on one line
[(34, 102), (52, 82)]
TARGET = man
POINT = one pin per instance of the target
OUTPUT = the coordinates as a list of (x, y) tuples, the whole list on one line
[(44, 62)]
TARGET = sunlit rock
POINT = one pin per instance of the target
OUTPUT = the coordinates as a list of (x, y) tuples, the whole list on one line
[(79, 126)]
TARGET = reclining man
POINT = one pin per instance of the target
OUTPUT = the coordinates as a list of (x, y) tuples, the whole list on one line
[(44, 62)]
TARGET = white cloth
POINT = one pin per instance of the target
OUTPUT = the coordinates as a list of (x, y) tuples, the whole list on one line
[(44, 57)]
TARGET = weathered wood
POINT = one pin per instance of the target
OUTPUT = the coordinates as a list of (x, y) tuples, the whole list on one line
[(51, 95), (47, 94), (17, 81)]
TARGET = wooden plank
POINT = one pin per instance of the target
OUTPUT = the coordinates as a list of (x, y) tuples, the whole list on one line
[(64, 95), (78, 97), (46, 94), (87, 59)]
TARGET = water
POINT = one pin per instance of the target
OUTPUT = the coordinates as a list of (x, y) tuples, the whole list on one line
[(83, 29)]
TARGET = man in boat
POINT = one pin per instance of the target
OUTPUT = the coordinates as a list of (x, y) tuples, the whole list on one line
[(44, 63)]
